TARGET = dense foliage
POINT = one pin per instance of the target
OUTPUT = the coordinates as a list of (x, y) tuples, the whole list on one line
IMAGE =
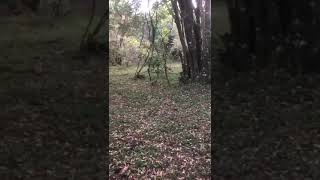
[(161, 34)]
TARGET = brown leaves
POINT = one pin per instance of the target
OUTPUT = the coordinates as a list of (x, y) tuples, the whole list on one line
[(161, 132), (124, 169), (268, 122)]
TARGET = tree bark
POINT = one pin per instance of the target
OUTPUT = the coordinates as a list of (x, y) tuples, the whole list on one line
[(188, 20), (206, 39), (186, 55)]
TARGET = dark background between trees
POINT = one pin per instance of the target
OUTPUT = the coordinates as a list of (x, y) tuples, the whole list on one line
[(266, 92), (279, 32)]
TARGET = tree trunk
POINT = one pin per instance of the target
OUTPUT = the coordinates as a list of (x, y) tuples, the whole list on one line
[(188, 21), (186, 73), (206, 40)]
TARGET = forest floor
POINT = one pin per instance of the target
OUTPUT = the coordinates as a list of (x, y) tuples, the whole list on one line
[(267, 126), (156, 130), (50, 125)]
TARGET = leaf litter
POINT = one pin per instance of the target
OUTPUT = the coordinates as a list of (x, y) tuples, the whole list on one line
[(267, 126), (157, 131)]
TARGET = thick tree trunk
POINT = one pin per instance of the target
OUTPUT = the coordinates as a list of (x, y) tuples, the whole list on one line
[(266, 33), (206, 40), (194, 40), (188, 22), (186, 56), (234, 15)]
